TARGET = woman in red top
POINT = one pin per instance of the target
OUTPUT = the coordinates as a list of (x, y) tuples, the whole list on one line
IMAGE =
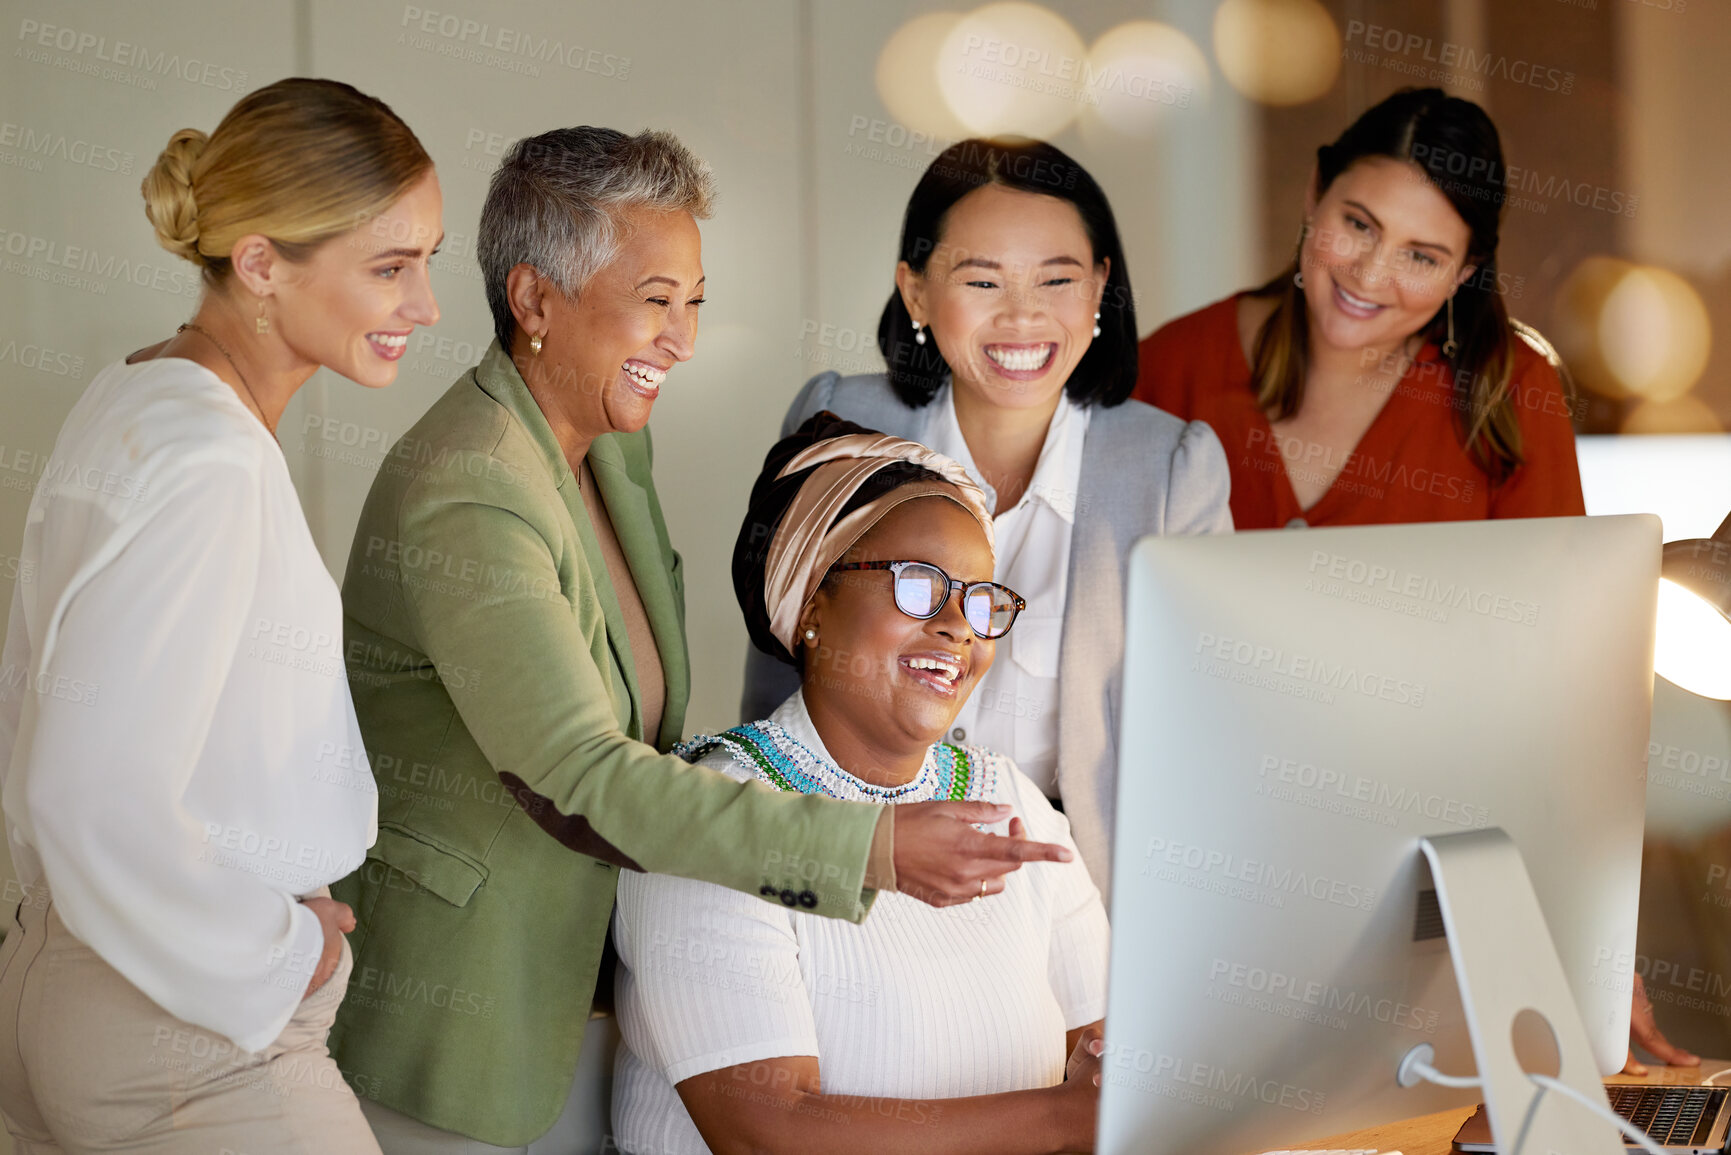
[(1379, 377)]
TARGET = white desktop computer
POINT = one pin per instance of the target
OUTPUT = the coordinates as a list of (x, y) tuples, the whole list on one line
[(1302, 711)]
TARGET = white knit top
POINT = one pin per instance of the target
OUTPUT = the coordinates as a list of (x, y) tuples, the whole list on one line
[(915, 1002), (178, 747)]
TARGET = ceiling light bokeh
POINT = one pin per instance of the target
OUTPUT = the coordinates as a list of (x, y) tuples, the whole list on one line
[(907, 76), (1141, 74), (1277, 52), (1013, 67), (1580, 301), (1655, 335), (1637, 332)]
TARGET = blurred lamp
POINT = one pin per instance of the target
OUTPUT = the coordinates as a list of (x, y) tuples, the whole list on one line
[(1579, 305), (1654, 333), (1692, 648), (1277, 52), (1637, 332), (907, 79), (1013, 67), (1146, 72)]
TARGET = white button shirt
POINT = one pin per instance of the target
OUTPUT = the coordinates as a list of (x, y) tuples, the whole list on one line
[(178, 747), (1014, 709)]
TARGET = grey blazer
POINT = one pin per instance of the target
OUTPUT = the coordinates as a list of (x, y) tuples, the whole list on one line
[(1144, 472)]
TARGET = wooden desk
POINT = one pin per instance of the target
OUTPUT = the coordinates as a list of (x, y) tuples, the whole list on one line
[(1432, 1134)]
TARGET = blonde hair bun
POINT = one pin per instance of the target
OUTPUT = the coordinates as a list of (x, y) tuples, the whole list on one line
[(168, 195), (299, 162)]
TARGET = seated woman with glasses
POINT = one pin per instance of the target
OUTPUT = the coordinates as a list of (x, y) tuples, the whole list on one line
[(865, 562)]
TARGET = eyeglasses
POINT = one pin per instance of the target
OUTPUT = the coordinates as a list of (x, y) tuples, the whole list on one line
[(922, 590)]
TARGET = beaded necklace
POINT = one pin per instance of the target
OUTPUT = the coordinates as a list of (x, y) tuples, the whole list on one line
[(781, 760)]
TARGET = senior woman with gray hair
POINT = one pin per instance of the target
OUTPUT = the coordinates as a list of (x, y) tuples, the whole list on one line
[(515, 639)]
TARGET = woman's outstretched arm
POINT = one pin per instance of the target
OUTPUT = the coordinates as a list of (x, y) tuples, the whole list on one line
[(778, 1105)]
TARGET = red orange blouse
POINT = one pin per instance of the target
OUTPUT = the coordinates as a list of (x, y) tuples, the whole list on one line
[(1408, 466)]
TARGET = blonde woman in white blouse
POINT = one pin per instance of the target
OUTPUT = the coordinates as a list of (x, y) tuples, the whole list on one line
[(751, 1026), (183, 775)]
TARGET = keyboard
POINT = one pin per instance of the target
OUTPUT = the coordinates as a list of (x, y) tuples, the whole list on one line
[(1681, 1117), (1682, 1120)]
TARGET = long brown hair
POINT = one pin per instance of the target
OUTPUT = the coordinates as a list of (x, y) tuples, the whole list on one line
[(1454, 142)]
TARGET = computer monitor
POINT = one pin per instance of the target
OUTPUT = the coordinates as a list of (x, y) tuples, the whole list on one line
[(1300, 708)]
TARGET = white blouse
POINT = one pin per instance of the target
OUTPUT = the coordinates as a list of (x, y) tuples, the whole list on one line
[(1015, 706), (178, 749), (915, 1002)]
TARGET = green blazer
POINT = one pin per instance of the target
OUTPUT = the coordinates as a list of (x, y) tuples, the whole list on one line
[(493, 679)]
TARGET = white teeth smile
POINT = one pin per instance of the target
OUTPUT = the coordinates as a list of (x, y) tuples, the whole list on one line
[(1356, 302), (946, 671), (388, 341), (647, 375), (1020, 359)]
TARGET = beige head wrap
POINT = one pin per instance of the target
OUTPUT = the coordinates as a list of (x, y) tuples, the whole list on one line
[(809, 539)]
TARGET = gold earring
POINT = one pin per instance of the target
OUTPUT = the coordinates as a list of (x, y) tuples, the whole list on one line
[(263, 322), (535, 344), (1451, 346)]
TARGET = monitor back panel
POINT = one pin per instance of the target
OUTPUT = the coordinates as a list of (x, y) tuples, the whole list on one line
[(1299, 709)]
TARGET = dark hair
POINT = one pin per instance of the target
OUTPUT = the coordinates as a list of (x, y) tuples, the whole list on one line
[(770, 498), (1456, 146), (1107, 372)]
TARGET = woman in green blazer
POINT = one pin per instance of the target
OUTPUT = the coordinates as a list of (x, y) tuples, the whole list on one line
[(514, 630)]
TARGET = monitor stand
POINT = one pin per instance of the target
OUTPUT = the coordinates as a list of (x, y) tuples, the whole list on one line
[(1505, 963)]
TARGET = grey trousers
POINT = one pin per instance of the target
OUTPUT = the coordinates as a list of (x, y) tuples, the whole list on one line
[(88, 1063)]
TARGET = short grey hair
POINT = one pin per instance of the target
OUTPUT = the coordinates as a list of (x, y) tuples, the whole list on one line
[(555, 200)]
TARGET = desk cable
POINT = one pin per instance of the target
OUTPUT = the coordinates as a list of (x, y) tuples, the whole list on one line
[(1416, 1065)]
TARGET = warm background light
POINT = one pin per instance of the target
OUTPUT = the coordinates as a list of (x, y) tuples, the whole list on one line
[(907, 76), (1013, 68), (1655, 334), (1692, 648), (1277, 51), (1145, 74), (1686, 414), (1641, 333), (1580, 302)]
